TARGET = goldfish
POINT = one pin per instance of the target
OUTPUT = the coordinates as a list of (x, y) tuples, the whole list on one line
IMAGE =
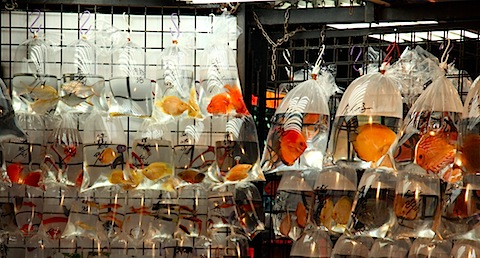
[(14, 172), (32, 179), (224, 103), (116, 177), (435, 150), (286, 224), (469, 153), (111, 217), (373, 141), (172, 105), (191, 176), (107, 156), (84, 226), (70, 152), (168, 185), (28, 229), (141, 210), (79, 89), (341, 210), (157, 170), (193, 108), (114, 206), (301, 214), (134, 179), (54, 220), (238, 172), (292, 146), (79, 180), (41, 92), (326, 213)]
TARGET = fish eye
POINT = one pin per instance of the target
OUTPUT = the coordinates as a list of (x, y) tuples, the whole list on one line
[(420, 156)]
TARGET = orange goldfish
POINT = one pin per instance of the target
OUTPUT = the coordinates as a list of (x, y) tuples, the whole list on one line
[(14, 172), (140, 210), (157, 170), (373, 141), (172, 105), (286, 224), (228, 101), (32, 179), (116, 177), (435, 150), (470, 153), (107, 156), (301, 213), (191, 176), (292, 146), (238, 172)]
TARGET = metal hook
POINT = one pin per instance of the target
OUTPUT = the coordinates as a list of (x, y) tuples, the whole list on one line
[(39, 13), (175, 24), (446, 51), (125, 19), (211, 21), (85, 23), (320, 56), (356, 58), (390, 50)]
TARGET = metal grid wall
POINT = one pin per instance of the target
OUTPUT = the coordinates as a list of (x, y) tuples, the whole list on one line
[(304, 48), (150, 29)]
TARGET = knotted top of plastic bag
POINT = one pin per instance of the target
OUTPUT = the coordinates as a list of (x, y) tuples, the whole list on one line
[(373, 94)]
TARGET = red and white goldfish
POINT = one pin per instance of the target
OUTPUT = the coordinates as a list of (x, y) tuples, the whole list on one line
[(292, 146), (230, 100)]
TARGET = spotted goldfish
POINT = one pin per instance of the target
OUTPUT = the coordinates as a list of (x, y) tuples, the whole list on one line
[(172, 105), (292, 146), (373, 141), (435, 151)]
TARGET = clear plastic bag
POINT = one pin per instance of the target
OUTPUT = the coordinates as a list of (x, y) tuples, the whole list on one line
[(417, 203), (335, 189), (105, 154), (193, 210), (352, 246), (132, 93), (23, 157), (293, 203), (385, 247), (34, 88), (83, 221), (9, 125), (429, 132), (372, 210), (222, 209), (175, 93), (151, 158), (313, 242), (367, 120), (63, 162), (219, 73), (28, 214), (427, 247), (237, 153), (299, 133), (250, 208), (166, 217)]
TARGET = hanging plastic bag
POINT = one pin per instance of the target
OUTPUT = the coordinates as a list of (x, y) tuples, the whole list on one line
[(237, 154), (335, 188), (372, 210), (175, 94), (80, 82), (105, 154), (222, 209), (193, 212), (111, 213), (151, 158), (28, 214), (367, 119), (132, 92), (219, 74), (63, 162), (83, 221), (9, 125), (250, 208), (34, 88), (166, 217), (429, 132), (417, 203), (293, 203), (299, 133), (193, 150), (23, 157), (460, 204)]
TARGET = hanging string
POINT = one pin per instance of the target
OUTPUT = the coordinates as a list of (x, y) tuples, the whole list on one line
[(356, 58), (275, 44), (127, 22), (445, 55)]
